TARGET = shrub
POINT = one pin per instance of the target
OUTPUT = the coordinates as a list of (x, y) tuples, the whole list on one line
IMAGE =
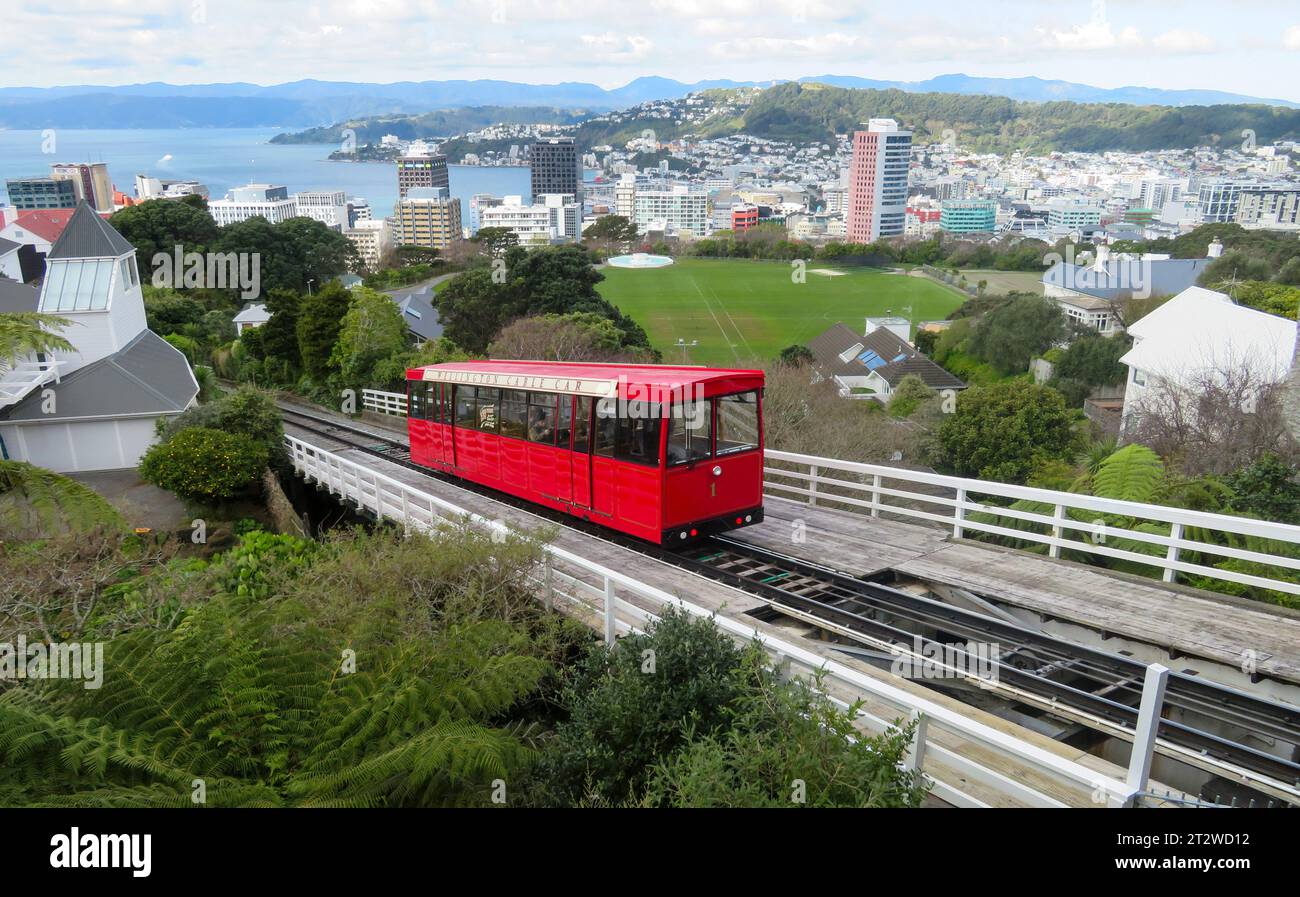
[(246, 412), (205, 465)]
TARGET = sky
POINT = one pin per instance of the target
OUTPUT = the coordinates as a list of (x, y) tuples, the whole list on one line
[(1244, 46)]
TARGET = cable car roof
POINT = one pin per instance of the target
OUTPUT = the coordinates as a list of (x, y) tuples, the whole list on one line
[(629, 381)]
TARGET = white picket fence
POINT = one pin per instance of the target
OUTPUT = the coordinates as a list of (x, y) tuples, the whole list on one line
[(625, 604), (951, 501)]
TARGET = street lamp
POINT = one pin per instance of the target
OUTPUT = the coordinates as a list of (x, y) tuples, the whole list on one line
[(683, 345), (310, 281)]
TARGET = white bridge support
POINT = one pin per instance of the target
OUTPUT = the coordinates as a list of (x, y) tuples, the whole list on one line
[(620, 604)]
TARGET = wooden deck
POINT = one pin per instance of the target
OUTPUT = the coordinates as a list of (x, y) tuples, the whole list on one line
[(1183, 621)]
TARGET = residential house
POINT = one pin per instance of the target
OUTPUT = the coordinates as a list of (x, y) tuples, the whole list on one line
[(252, 315), (873, 365), (98, 406)]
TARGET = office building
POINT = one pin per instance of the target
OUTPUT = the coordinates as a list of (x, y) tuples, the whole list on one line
[(477, 203), (329, 207), (428, 217), (147, 187), (680, 208), (28, 194), (373, 239), (90, 182), (1217, 199), (556, 168), (534, 224), (1277, 208), (268, 201), (968, 216), (878, 181), (427, 170)]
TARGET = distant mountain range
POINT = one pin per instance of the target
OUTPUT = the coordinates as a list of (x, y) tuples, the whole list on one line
[(309, 103)]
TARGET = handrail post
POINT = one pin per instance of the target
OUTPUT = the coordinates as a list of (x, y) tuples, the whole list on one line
[(813, 470), (1171, 556), (1054, 550), (609, 612), (960, 509), (1148, 724), (548, 582), (915, 758), (875, 495)]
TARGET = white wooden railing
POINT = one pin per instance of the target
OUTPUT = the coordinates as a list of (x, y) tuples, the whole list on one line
[(955, 502), (20, 378), (950, 501), (381, 402), (625, 604)]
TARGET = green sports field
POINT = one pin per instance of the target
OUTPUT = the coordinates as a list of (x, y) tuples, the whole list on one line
[(745, 312)]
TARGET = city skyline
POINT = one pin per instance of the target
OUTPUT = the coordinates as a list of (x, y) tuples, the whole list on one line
[(1254, 48)]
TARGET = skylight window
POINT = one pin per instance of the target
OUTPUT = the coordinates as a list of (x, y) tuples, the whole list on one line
[(871, 359), (850, 352), (77, 285)]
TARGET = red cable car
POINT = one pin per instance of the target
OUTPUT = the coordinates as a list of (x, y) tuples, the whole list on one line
[(663, 453)]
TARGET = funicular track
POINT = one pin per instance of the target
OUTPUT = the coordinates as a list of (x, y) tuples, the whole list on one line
[(1098, 689)]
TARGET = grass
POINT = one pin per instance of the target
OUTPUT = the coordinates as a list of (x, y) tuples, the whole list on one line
[(745, 313), (1006, 281)]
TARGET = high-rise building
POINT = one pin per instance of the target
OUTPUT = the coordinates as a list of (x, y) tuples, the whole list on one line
[(373, 239), (680, 207), (422, 170), (533, 224), (556, 168), (269, 201), (427, 216), (39, 192), (968, 216), (1218, 198), (477, 203), (329, 207), (878, 181), (625, 196), (1277, 208), (90, 181)]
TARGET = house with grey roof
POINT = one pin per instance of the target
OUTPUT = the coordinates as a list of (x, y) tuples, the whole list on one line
[(872, 366), (418, 312), (96, 407), (1092, 294), (10, 265)]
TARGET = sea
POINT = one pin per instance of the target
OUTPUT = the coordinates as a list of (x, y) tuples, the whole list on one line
[(223, 158)]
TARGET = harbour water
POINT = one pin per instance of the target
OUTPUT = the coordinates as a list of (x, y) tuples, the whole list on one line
[(223, 158)]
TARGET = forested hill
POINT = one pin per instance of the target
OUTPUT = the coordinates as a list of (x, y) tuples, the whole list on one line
[(804, 112), (440, 123)]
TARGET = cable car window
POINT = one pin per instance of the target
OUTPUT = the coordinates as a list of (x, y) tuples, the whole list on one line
[(541, 418), (737, 423), (606, 425), (514, 413), (446, 402), (488, 398), (637, 436), (582, 426), (417, 400), (565, 426), (690, 430), (465, 408)]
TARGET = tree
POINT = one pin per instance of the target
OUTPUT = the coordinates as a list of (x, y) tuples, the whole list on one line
[(291, 254), (408, 254), (205, 466), (320, 317), (1009, 337), (496, 239), (1092, 360), (1232, 267), (622, 719), (581, 336), (613, 229), (280, 333), (909, 395), (1000, 432), (373, 332), (796, 356), (24, 333), (1268, 487), (160, 225)]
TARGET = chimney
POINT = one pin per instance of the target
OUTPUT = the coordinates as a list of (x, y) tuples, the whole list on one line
[(1215, 250)]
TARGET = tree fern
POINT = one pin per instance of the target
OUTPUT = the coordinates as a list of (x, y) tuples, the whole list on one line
[(35, 503), (1134, 473)]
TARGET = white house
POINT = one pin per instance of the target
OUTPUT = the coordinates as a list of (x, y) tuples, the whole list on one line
[(94, 408), (252, 315), (9, 264), (1202, 335)]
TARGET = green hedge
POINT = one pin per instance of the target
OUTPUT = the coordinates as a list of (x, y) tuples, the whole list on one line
[(204, 465)]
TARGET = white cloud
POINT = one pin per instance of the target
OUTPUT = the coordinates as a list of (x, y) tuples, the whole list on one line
[(1291, 38), (1095, 34), (823, 45), (1183, 41), (611, 46)]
